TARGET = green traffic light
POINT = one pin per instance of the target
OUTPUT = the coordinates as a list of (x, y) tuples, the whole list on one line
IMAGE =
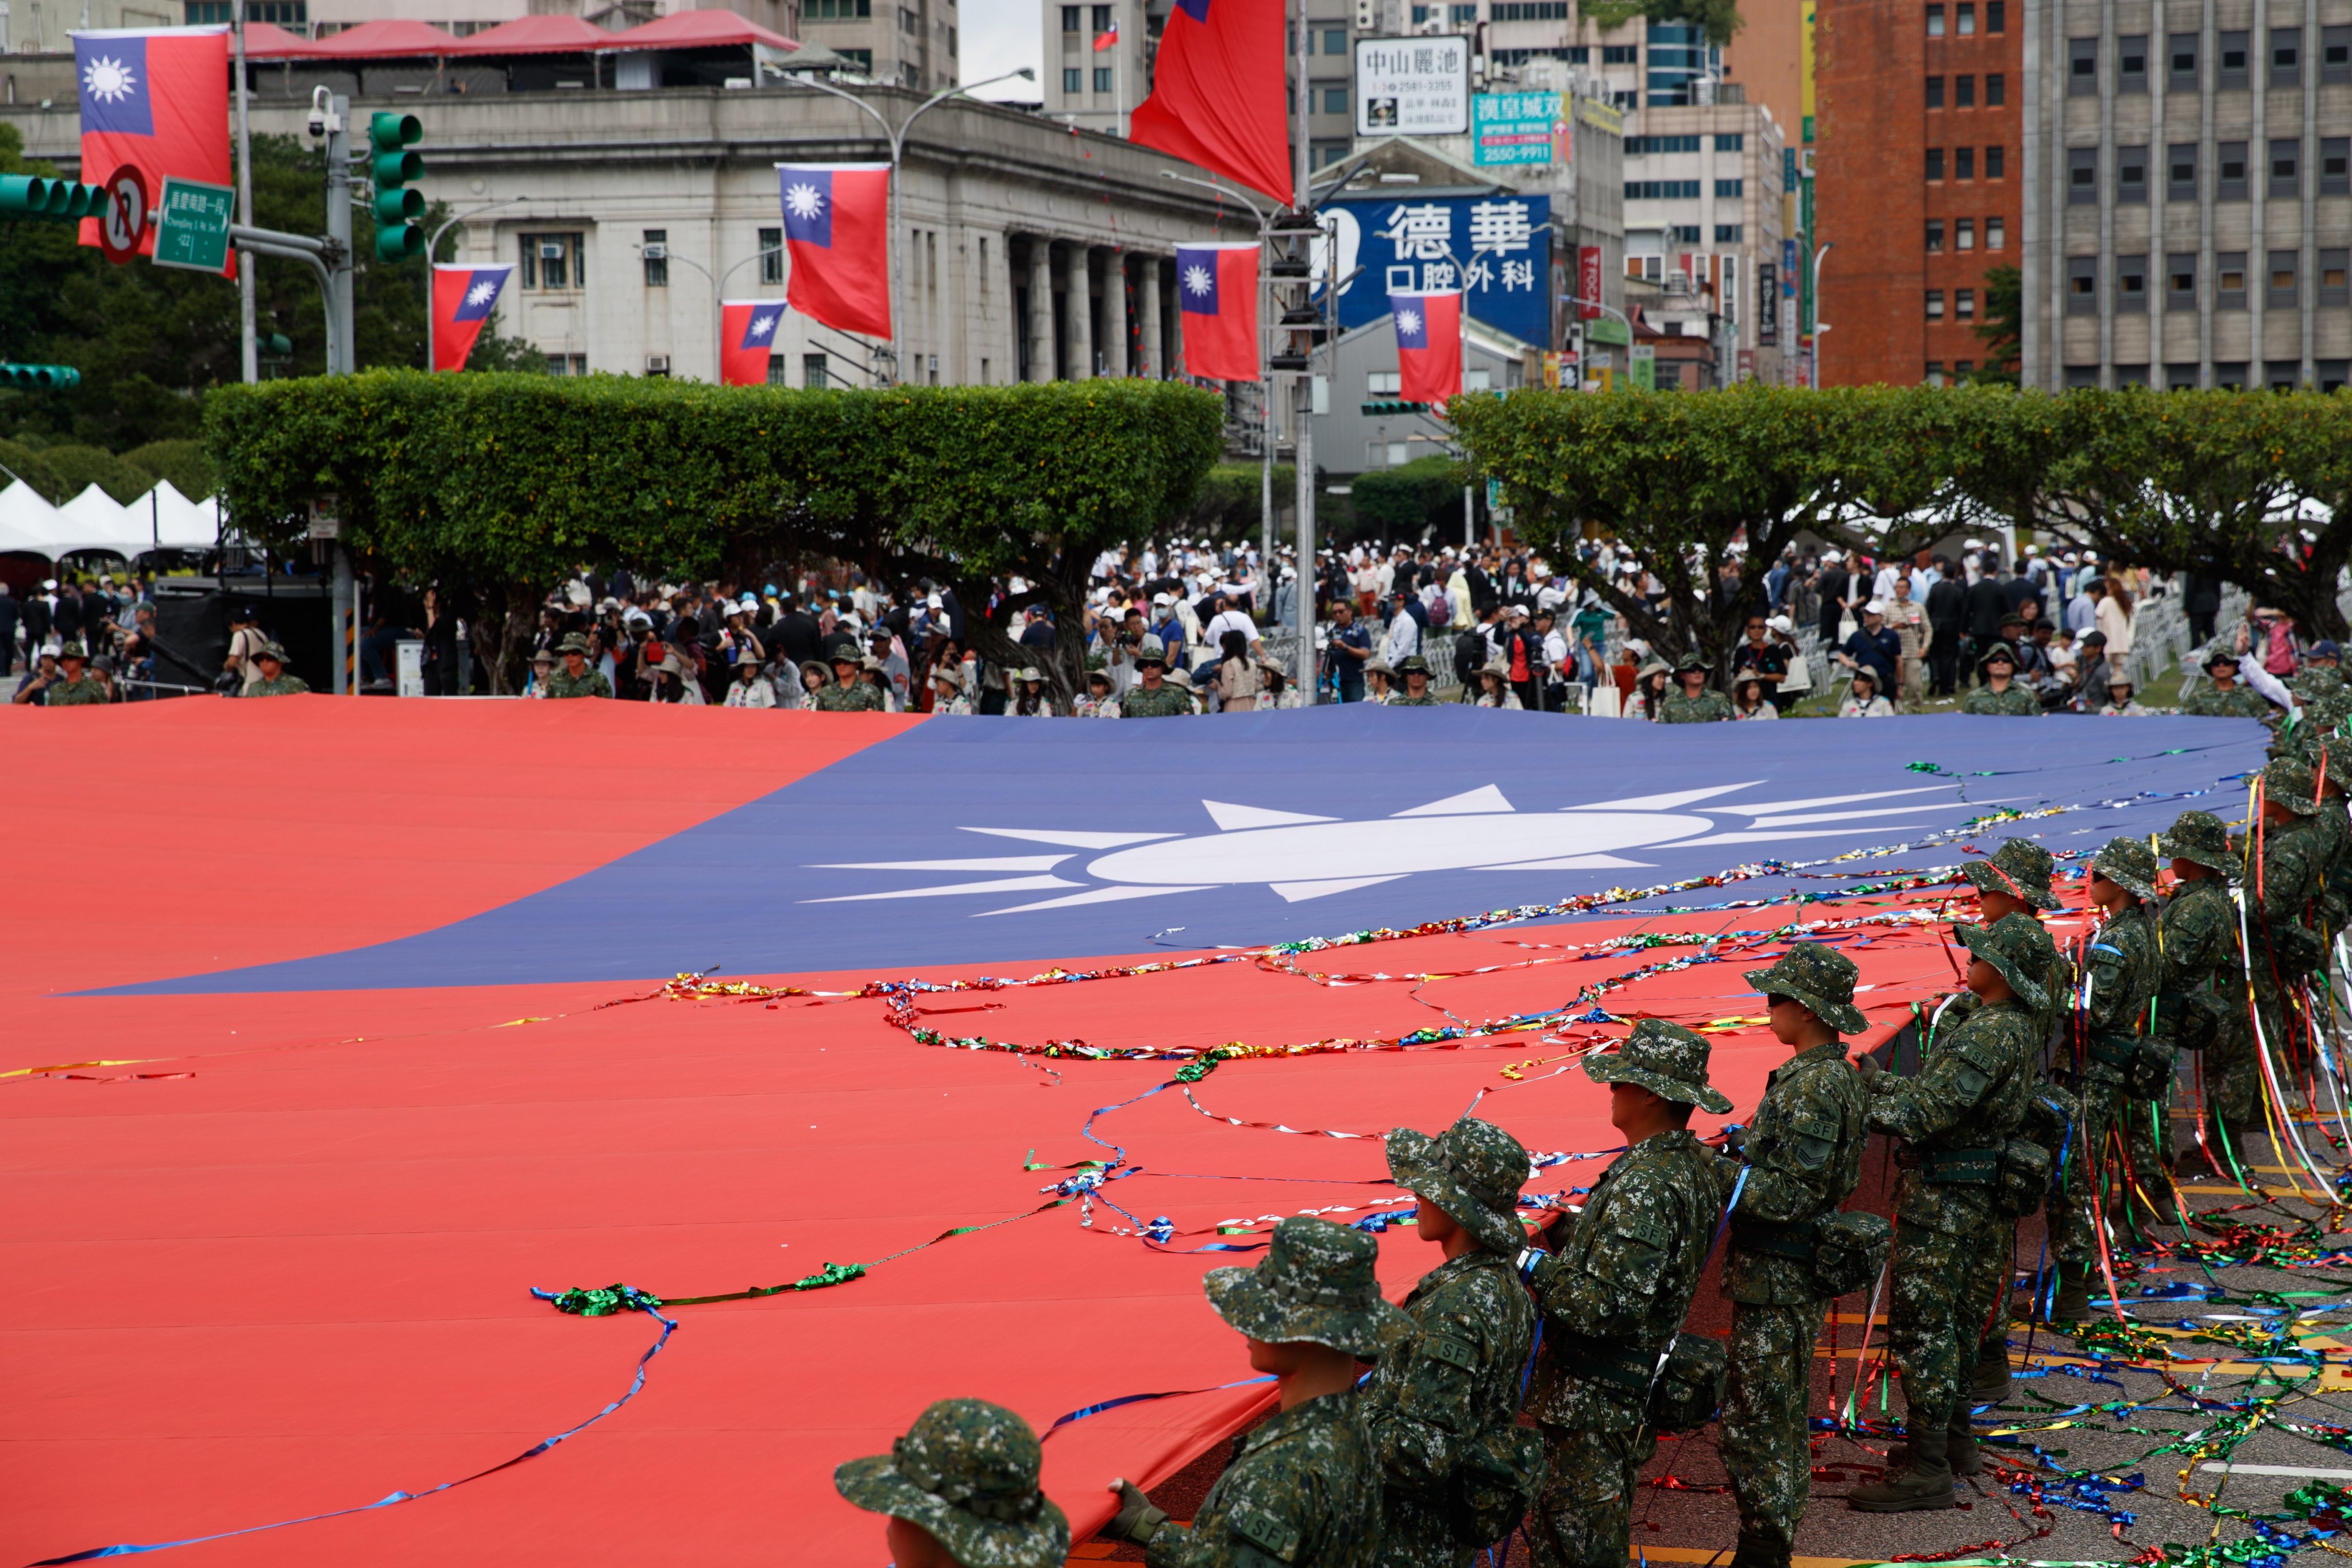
[(39, 377), (397, 205), (276, 345), (397, 242), (396, 168), (392, 167), (389, 132), (57, 201)]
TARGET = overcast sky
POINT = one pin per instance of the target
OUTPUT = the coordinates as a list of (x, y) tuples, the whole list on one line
[(1000, 35)]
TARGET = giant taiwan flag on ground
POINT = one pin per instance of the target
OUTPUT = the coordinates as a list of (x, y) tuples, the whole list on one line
[(1217, 287), (463, 299), (747, 330), (1429, 345), (838, 230), (157, 98), (1219, 96)]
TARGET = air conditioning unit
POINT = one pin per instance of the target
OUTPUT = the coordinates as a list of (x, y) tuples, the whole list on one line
[(551, 250), (656, 252), (658, 365)]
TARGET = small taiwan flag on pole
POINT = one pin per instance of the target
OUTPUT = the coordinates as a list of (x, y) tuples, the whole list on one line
[(747, 330), (1216, 285), (838, 230), (1429, 345), (1108, 39), (463, 299)]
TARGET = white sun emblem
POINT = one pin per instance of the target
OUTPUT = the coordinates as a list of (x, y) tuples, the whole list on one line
[(803, 201), (1298, 857), (109, 79), (1408, 321), (762, 325), (481, 293), (1196, 279)]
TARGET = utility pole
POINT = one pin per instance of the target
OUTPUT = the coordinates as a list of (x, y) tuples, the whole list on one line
[(1308, 686), (249, 344)]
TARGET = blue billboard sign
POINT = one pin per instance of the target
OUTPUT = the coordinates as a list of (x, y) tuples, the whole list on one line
[(1405, 243)]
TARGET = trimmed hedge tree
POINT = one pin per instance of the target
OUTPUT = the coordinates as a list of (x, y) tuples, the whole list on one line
[(506, 483)]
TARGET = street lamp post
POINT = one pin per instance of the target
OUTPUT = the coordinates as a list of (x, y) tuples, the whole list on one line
[(433, 252), (897, 139), (719, 294), (1819, 326)]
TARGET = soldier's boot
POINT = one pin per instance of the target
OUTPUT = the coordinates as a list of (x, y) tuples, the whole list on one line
[(1923, 1481), (1960, 1444), (1990, 1385), (1760, 1551), (2073, 1304)]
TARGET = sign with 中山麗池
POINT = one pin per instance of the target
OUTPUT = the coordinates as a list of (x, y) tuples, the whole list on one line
[(192, 224), (1413, 87), (1519, 128)]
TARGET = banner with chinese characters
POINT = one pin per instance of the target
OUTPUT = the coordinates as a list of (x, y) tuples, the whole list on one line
[(1496, 249), (1519, 128)]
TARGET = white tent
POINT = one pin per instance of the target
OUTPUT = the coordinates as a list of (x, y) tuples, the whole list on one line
[(163, 518)]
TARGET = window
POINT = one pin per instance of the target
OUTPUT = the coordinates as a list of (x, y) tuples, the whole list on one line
[(1682, 233), (2229, 282), (567, 364), (1964, 20), (1964, 304), (1994, 162), (2280, 290), (2285, 156), (1935, 162), (1663, 191), (2230, 377), (2131, 282), (2181, 282), (1964, 233), (1935, 92), (1729, 190), (2286, 56), (1935, 372), (2081, 285), (1526, 11), (813, 372), (2336, 54), (2131, 173), (2082, 176), (2180, 172), (1639, 146), (2233, 160), (1101, 19), (2081, 67), (1995, 16), (1070, 23), (1461, 13), (2336, 165), (1383, 383), (2131, 63), (1727, 234), (1625, 98), (1935, 304), (1619, 53), (1934, 236), (552, 261), (655, 251), (1731, 141), (1074, 79), (848, 10), (2336, 277), (2180, 58), (860, 60), (779, 370), (2332, 373), (772, 256), (1335, 100), (1935, 21), (2233, 60), (909, 23), (1996, 90), (1105, 78), (1335, 40), (1964, 92), (1996, 234), (2081, 377)]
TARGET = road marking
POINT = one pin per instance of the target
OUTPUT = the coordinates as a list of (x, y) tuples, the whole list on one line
[(2218, 1468)]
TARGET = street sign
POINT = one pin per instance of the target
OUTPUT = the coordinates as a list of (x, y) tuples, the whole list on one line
[(1413, 87), (123, 218), (192, 226)]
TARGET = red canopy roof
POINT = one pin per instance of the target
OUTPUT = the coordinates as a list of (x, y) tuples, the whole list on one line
[(537, 36), (265, 42), (699, 30), (383, 39)]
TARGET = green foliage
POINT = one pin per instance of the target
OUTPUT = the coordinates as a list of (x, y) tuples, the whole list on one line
[(81, 467), (181, 462), (28, 464), (1399, 503), (2003, 327), (1227, 505), (1719, 18), (507, 482)]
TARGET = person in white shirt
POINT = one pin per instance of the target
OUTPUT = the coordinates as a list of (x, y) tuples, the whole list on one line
[(750, 687), (1404, 636), (1228, 618), (2114, 616), (1863, 701)]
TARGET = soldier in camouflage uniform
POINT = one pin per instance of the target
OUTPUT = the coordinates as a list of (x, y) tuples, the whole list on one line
[(850, 693), (960, 1488), (1954, 1119), (2001, 694), (1693, 701), (575, 678), (1447, 1394), (1413, 673), (1152, 695), (1614, 1294), (2281, 892), (1303, 1489), (274, 682), (74, 689), (1803, 1155), (2224, 698), (2200, 968)]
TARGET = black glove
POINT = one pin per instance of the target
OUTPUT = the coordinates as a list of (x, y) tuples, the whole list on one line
[(1868, 1066), (1529, 1258), (1136, 1520), (1735, 1140)]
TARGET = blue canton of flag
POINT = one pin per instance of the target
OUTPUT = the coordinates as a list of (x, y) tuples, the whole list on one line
[(761, 330), (808, 207), (113, 72), (481, 295), (1411, 322), (1196, 279)]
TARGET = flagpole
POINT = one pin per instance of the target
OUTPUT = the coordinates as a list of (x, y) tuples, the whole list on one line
[(1303, 445), (248, 343)]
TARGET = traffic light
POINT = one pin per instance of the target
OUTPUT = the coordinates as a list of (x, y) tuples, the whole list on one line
[(54, 201), (391, 165), (1389, 406), (38, 377)]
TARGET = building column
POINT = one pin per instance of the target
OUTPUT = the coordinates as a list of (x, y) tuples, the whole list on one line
[(1041, 307), (1171, 323), (1147, 299), (1115, 315), (1078, 289)]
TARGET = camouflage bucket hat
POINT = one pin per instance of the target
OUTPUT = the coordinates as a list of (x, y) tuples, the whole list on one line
[(1150, 651), (575, 643), (2129, 864), (1316, 1283), (2020, 867), (1821, 978), (1473, 1171), (2009, 945), (72, 648), (1413, 663), (2216, 659), (967, 1472), (2290, 784), (1997, 650), (272, 650), (2199, 835), (1692, 660), (1667, 1060)]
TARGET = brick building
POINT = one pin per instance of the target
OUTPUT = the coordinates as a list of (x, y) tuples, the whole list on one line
[(1919, 173)]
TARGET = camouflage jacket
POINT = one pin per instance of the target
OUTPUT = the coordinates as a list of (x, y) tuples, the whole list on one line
[(1804, 1157), (2316, 685), (1971, 1095), (1144, 702), (2058, 979), (855, 697), (590, 682), (1398, 700), (2197, 945), (1622, 1278), (2238, 703), (284, 685), (2122, 973), (1302, 1491), (2334, 899), (2280, 893), (1454, 1378), (65, 693), (1703, 709), (2017, 701)]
